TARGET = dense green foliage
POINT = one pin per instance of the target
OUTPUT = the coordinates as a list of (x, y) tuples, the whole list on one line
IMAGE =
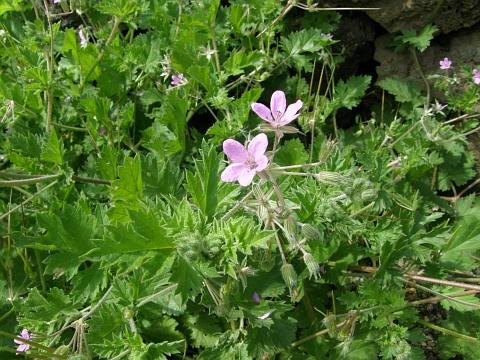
[(120, 240)]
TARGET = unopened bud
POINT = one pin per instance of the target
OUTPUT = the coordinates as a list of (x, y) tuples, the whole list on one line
[(330, 177), (369, 195), (128, 313), (330, 323), (290, 277), (312, 265), (310, 232), (327, 149), (267, 264), (290, 226)]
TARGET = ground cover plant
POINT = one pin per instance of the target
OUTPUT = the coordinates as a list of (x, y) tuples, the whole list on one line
[(174, 185)]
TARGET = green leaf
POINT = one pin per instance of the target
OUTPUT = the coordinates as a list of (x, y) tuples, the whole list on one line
[(143, 232), (104, 322), (458, 252), (49, 310), (204, 185), (204, 329), (70, 232), (420, 41), (119, 8), (280, 335), (188, 279), (129, 188), (75, 57), (53, 150), (238, 61), (303, 41), (349, 94), (202, 75), (88, 283), (404, 90), (107, 163), (292, 152), (161, 176), (460, 307), (71, 229)]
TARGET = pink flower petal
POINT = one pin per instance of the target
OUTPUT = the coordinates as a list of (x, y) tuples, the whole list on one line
[(246, 176), (232, 172), (258, 145), (262, 111), (278, 103), (291, 113), (262, 162), (235, 151), (266, 315)]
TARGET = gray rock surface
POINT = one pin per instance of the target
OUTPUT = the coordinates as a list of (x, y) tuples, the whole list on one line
[(395, 15)]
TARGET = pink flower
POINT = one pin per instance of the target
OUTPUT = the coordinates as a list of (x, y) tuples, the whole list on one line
[(445, 63), (22, 346), (83, 39), (177, 80), (476, 76), (277, 115), (246, 161), (56, 1)]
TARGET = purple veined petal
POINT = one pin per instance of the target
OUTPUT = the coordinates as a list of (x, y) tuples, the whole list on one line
[(235, 151), (278, 103), (291, 113), (262, 163), (232, 172), (246, 176), (262, 111), (258, 145)]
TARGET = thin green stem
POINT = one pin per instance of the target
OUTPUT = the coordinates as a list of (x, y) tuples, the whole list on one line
[(295, 173), (7, 314), (31, 343), (279, 244), (34, 180), (362, 210), (27, 200), (66, 127), (301, 166), (102, 52), (39, 178), (214, 44), (237, 206), (148, 299), (448, 331), (49, 91), (442, 282), (40, 269)]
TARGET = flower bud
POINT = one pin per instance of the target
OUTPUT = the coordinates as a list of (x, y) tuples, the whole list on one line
[(290, 226), (312, 265), (369, 195), (128, 313), (330, 177), (267, 264), (310, 232), (290, 277), (326, 151)]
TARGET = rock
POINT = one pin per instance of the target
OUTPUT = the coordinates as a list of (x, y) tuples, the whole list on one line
[(357, 47), (456, 46), (395, 15)]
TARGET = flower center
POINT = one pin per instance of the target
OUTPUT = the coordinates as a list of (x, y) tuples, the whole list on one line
[(277, 115), (250, 163)]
